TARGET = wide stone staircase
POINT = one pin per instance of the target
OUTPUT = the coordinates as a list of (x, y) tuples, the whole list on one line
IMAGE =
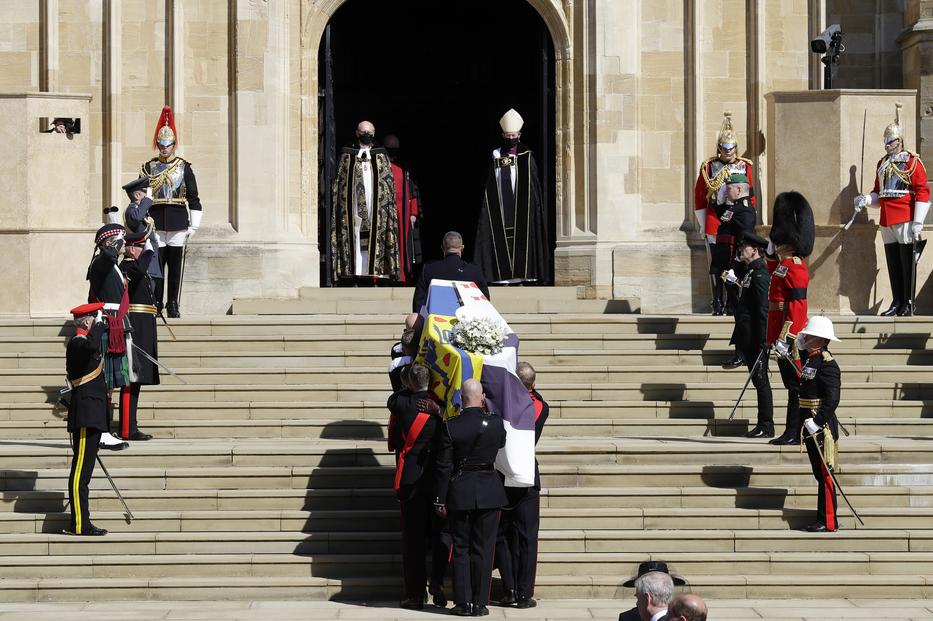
[(270, 478)]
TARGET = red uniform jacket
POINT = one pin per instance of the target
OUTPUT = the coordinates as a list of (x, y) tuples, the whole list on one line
[(702, 191), (911, 186), (787, 296), (407, 206)]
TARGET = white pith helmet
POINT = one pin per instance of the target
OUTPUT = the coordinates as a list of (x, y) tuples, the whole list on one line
[(821, 327)]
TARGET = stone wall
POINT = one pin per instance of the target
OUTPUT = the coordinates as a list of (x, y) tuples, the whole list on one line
[(872, 58)]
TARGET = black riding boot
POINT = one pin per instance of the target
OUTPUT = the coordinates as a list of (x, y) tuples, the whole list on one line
[(719, 307), (892, 255), (175, 255), (906, 252)]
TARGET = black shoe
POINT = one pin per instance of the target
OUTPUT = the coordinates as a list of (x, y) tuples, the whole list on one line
[(462, 610), (907, 310), (784, 440), (172, 309), (480, 611), (758, 432), (413, 603), (736, 362), (894, 309), (526, 602), (508, 598), (818, 527), (439, 598), (138, 436), (90, 531)]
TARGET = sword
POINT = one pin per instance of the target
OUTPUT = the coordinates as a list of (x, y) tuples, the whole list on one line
[(861, 181), (158, 364), (181, 272), (832, 474), (165, 322), (762, 355), (917, 249), (129, 514)]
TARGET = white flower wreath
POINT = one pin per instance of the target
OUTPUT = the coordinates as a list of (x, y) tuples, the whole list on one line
[(482, 335)]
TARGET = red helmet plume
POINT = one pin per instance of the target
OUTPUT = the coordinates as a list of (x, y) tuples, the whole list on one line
[(165, 129)]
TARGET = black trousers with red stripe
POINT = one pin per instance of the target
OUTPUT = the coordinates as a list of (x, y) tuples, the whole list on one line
[(826, 492), (129, 401), (84, 445), (474, 540), (517, 541)]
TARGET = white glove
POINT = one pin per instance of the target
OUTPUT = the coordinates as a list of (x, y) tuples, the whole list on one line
[(730, 277), (916, 228), (99, 317), (811, 425), (195, 217), (862, 201), (770, 249), (149, 192)]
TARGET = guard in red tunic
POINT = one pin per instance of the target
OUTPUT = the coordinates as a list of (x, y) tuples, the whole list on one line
[(409, 212), (902, 193), (710, 197), (792, 237)]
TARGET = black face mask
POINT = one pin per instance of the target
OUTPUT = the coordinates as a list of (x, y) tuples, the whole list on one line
[(366, 138), (508, 143)]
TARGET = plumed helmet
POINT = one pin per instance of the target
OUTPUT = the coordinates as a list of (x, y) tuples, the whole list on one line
[(792, 223), (165, 132), (726, 135), (893, 130)]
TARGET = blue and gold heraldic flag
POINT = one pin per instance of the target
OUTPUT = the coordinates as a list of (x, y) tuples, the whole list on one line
[(450, 301)]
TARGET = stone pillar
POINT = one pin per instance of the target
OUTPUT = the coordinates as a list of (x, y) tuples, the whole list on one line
[(917, 57), (47, 224), (815, 147)]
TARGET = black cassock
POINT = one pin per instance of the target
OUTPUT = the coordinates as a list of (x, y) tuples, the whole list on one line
[(511, 235)]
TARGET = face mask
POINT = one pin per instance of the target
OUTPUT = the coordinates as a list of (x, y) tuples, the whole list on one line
[(508, 143), (366, 138)]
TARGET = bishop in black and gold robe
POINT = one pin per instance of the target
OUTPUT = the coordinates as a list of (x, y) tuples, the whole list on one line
[(511, 235), (364, 219)]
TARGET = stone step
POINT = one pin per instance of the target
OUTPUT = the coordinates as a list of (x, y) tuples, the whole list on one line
[(853, 375), (327, 453), (379, 344), (527, 304), (239, 426), (744, 587), (781, 476), (523, 324), (565, 359), (337, 566), (386, 520), (282, 499)]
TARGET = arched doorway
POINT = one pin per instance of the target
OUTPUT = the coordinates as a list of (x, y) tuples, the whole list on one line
[(439, 76)]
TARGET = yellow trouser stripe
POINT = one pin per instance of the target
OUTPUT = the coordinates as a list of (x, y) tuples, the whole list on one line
[(76, 482)]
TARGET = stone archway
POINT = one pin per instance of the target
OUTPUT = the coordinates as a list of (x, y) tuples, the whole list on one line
[(314, 19)]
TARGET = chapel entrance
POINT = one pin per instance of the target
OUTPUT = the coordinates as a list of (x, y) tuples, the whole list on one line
[(438, 75)]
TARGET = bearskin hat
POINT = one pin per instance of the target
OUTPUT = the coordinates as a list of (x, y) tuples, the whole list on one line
[(792, 223)]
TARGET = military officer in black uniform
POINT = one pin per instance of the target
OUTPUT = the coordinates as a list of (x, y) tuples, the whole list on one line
[(142, 314), (451, 267), (88, 411), (751, 327), (820, 385), (470, 492), (108, 285), (517, 541), (412, 437)]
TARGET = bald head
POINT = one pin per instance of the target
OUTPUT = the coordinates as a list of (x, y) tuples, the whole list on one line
[(687, 607), (472, 393), (365, 127), (453, 243)]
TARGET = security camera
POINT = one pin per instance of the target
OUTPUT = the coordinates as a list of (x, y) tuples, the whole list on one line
[(830, 37)]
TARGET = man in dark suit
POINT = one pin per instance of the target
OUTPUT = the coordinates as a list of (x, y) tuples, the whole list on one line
[(451, 267), (470, 492), (412, 434)]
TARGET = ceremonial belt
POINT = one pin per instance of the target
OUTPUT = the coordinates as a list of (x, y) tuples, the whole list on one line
[(776, 306), (810, 404), (413, 432), (148, 309), (796, 293), (81, 381), (174, 202), (476, 467)]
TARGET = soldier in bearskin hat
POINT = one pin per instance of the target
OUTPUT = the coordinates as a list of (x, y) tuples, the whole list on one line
[(176, 207), (792, 236), (142, 315), (902, 193), (710, 198), (88, 410)]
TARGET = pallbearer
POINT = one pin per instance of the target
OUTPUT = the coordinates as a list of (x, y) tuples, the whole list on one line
[(88, 411), (902, 193)]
